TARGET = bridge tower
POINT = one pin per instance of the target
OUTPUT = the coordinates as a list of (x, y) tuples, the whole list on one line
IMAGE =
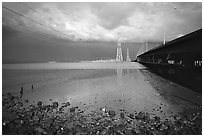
[(128, 57), (119, 55)]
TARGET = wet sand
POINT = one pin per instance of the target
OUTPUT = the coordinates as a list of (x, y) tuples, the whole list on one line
[(119, 90)]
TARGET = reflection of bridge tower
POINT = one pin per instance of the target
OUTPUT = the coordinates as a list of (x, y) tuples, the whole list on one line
[(128, 57), (119, 56), (119, 77)]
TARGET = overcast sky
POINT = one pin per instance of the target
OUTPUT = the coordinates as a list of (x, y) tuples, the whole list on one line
[(128, 22)]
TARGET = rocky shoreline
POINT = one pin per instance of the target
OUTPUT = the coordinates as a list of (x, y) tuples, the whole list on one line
[(20, 117)]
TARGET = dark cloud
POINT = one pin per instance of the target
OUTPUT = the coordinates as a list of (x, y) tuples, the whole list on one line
[(24, 49), (107, 21), (8, 33)]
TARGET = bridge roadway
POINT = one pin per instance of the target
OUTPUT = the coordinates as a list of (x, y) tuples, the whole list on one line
[(185, 51)]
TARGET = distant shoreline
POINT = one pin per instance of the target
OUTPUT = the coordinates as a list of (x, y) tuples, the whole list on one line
[(53, 61), (75, 65)]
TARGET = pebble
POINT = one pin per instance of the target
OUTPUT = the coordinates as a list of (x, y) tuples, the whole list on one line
[(37, 120), (72, 109), (55, 105), (104, 109), (66, 104), (111, 113), (122, 115), (39, 103)]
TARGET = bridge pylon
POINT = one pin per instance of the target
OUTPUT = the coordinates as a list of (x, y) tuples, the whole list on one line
[(119, 55), (128, 57)]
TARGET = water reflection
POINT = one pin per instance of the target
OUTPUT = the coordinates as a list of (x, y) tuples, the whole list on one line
[(190, 78), (122, 75), (119, 73), (128, 71), (119, 76)]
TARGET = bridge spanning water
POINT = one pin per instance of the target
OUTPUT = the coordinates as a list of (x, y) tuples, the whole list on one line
[(179, 60), (184, 52)]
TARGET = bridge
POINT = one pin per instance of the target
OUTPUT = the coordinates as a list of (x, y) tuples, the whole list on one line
[(179, 59), (185, 52)]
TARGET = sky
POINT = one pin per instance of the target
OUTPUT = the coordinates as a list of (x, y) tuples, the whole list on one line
[(37, 32)]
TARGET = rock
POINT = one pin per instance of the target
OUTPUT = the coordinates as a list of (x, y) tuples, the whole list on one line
[(61, 109), (39, 119), (119, 132), (26, 101), (104, 109), (104, 132), (140, 115), (39, 104), (111, 113), (122, 115), (129, 131), (147, 117), (157, 118), (66, 104), (20, 104), (36, 118), (72, 109), (55, 105), (131, 116), (40, 131)]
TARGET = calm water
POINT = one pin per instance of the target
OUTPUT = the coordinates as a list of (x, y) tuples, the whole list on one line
[(46, 74), (75, 65)]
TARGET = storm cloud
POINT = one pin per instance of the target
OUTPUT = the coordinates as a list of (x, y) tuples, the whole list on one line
[(105, 21)]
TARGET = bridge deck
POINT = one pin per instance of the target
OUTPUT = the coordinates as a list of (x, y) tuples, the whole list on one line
[(185, 51)]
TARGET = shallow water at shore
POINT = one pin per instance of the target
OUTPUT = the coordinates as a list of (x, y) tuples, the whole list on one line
[(117, 88)]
